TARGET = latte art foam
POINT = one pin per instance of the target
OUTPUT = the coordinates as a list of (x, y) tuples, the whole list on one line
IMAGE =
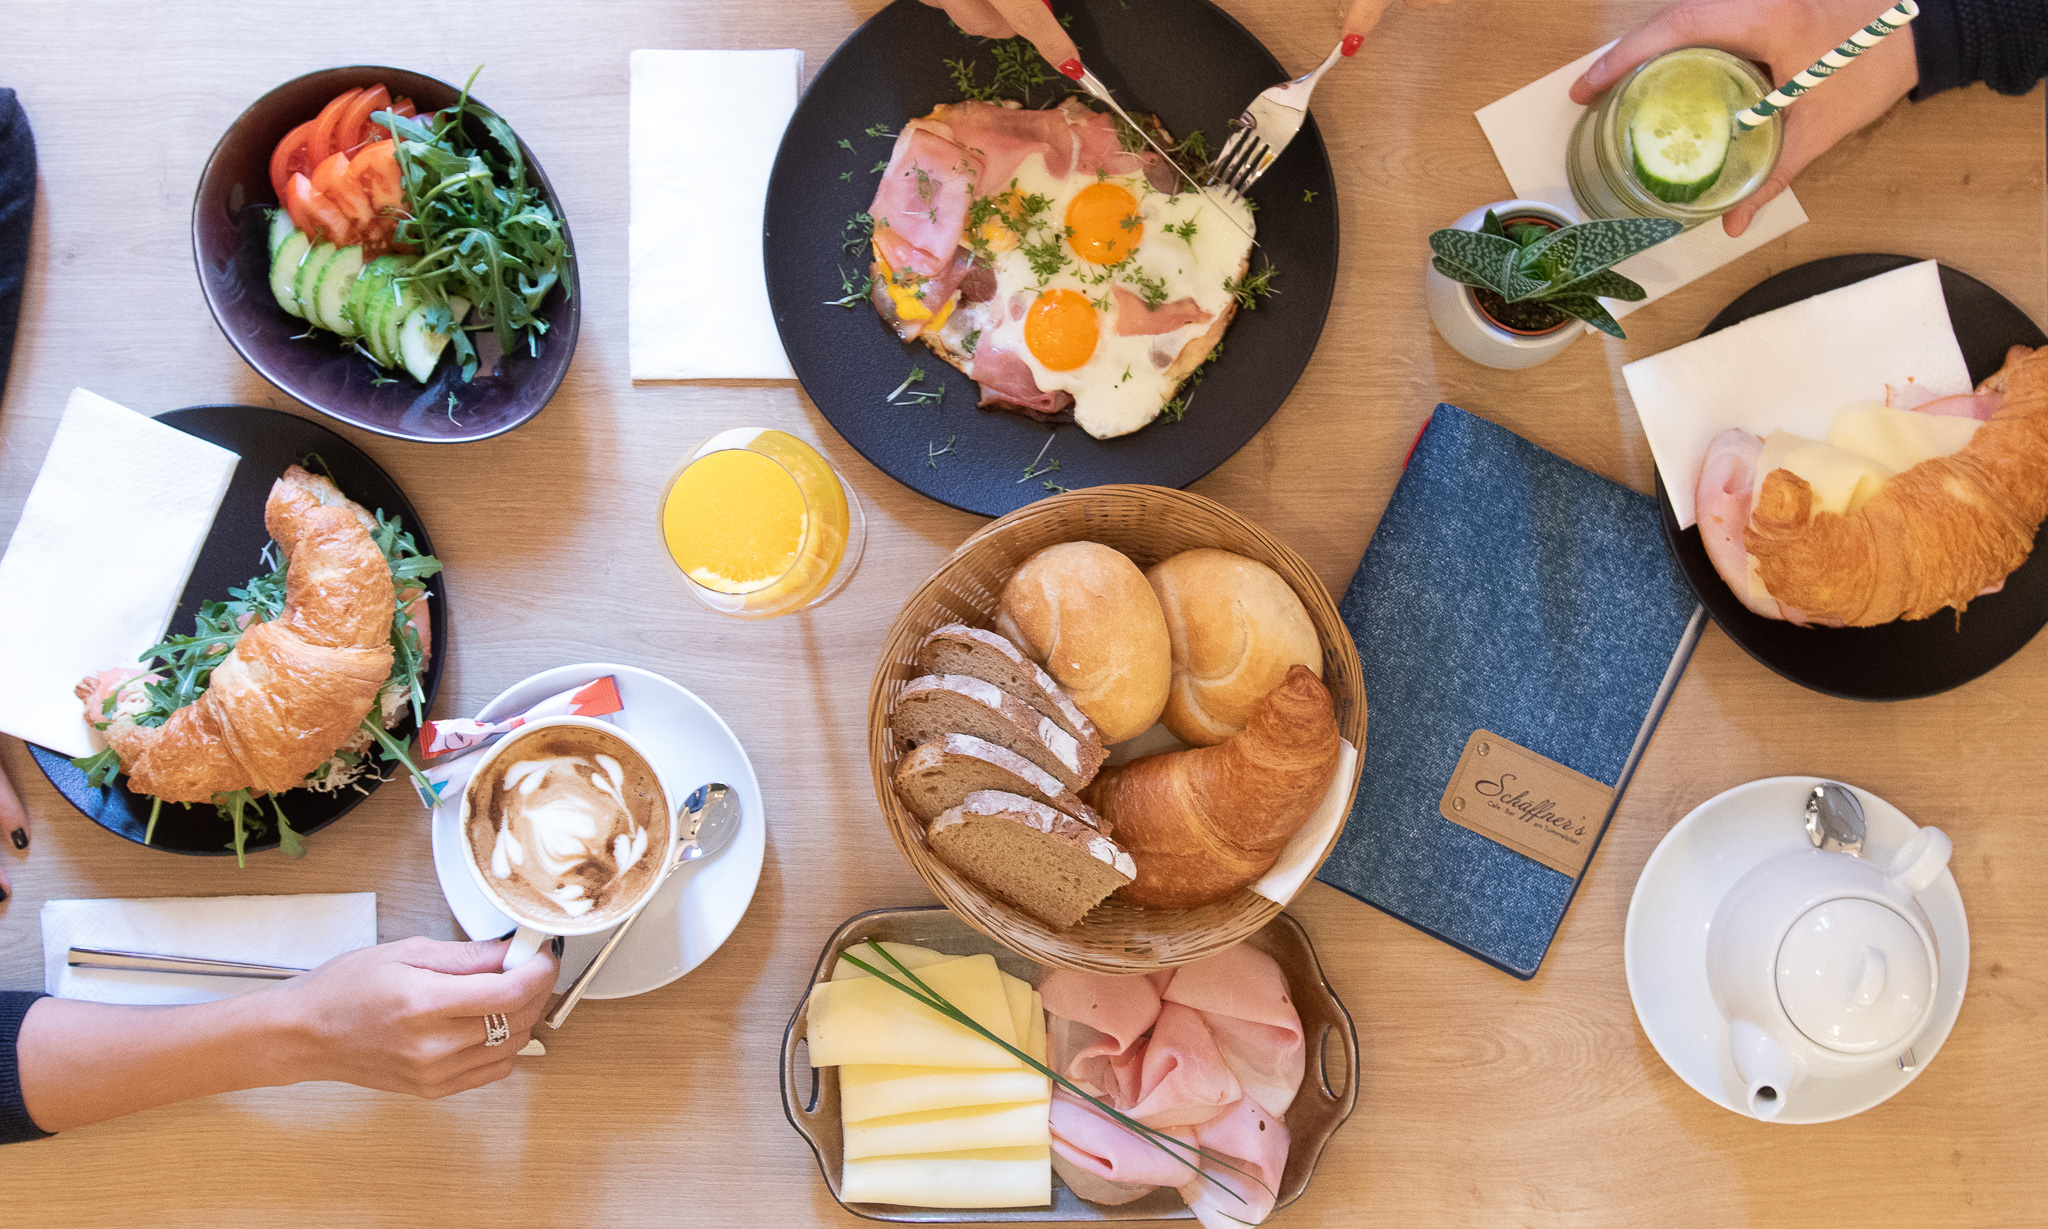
[(568, 824)]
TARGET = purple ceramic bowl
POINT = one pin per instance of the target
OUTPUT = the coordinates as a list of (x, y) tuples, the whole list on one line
[(228, 245)]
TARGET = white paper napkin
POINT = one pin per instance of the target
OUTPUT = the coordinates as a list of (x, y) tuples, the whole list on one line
[(1792, 368), (98, 560), (1298, 861), (703, 130), (300, 932), (1530, 131)]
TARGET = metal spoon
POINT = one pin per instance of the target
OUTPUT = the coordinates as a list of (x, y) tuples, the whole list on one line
[(709, 819), (1834, 819)]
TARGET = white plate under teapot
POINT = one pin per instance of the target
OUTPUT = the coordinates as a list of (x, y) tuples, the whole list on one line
[(1665, 944)]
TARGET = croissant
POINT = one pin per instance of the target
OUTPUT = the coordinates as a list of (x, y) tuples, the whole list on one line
[(1933, 535), (291, 691), (1201, 824)]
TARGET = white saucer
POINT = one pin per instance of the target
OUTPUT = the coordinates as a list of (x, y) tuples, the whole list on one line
[(1665, 946), (697, 909)]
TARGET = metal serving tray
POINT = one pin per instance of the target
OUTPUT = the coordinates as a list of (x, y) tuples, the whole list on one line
[(1329, 1088)]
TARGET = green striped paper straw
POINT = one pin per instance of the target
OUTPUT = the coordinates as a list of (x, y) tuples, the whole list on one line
[(1861, 41)]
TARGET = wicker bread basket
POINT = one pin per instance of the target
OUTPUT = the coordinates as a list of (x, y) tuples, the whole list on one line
[(1147, 523)]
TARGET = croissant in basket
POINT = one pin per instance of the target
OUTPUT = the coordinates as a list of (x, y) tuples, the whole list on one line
[(1898, 515), (292, 690), (1200, 824)]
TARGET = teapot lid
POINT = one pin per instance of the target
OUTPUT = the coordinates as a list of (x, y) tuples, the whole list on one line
[(1854, 975)]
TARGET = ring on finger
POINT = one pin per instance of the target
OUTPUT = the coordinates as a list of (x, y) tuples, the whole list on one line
[(497, 1029)]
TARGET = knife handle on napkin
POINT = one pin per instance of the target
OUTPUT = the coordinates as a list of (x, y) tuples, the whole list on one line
[(148, 962)]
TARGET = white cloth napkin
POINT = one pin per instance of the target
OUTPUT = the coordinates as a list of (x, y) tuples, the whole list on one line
[(98, 560), (1530, 130), (1298, 861), (703, 130), (1793, 368), (300, 932)]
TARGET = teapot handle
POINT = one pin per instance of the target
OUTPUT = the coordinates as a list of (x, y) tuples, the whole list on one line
[(1921, 860)]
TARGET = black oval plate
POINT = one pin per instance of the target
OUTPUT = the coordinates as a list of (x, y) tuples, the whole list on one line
[(1895, 661), (268, 441), (1186, 61)]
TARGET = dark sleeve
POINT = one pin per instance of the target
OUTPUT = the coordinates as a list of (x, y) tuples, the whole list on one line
[(2003, 43), (15, 1124), (17, 203)]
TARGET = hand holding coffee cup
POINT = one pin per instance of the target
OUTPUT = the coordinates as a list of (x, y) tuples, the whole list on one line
[(568, 827)]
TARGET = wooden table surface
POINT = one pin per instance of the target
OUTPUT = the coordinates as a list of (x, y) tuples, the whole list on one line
[(1486, 1101)]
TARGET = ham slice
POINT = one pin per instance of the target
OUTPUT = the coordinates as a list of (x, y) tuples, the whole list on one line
[(1137, 318), (1099, 1145), (1184, 1080), (1006, 380), (1255, 1143), (1109, 1019), (923, 197), (1242, 997)]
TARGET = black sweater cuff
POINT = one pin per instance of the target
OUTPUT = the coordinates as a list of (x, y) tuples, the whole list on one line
[(2003, 43), (15, 1124), (1938, 45)]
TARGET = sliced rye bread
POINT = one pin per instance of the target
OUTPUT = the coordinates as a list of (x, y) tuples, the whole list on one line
[(991, 657), (1052, 867), (935, 705), (939, 775)]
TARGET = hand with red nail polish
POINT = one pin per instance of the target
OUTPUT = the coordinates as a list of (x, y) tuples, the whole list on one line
[(1363, 15), (976, 17)]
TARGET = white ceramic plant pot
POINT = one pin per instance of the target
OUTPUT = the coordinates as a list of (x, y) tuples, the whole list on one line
[(1460, 322)]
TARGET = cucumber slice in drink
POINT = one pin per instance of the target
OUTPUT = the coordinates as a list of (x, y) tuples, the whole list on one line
[(284, 271), (1679, 142)]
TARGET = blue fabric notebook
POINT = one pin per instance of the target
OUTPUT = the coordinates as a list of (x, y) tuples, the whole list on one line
[(1510, 591)]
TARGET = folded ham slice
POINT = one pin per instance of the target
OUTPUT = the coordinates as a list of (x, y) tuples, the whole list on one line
[(1252, 1145), (1242, 997), (1137, 318)]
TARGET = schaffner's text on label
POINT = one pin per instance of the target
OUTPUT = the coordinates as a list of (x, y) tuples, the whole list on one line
[(1533, 805)]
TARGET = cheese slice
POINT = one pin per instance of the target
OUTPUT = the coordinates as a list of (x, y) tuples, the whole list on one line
[(1034, 1041), (961, 1129), (1841, 479), (1899, 439), (988, 1178), (864, 1020), (1019, 992), (912, 957), (868, 1090)]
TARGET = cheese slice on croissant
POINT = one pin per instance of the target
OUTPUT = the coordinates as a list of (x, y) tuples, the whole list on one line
[(292, 690), (1897, 515)]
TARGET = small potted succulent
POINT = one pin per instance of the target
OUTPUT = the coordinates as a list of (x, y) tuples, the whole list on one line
[(1509, 284)]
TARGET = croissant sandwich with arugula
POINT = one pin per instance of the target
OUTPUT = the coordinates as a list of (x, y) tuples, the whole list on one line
[(288, 685), (1902, 512)]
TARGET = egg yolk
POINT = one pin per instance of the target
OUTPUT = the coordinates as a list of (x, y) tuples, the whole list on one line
[(997, 232), (1060, 329), (1102, 223)]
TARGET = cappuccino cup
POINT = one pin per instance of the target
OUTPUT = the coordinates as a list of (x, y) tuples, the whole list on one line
[(568, 828)]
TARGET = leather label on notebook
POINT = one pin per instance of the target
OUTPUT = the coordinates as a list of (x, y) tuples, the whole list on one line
[(1527, 802)]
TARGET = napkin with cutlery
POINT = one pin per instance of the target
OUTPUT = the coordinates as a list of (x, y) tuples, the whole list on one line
[(703, 130), (300, 932), (1530, 131), (99, 559), (1793, 368)]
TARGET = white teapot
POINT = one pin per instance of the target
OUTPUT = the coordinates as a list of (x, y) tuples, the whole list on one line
[(1823, 964)]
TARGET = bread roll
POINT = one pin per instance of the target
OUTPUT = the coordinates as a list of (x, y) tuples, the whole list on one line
[(1087, 615), (1203, 823), (1235, 627)]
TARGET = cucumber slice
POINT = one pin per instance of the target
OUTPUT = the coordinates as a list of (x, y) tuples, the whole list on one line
[(284, 271), (375, 277), (420, 346), (1679, 143), (281, 228), (337, 278), (388, 313), (308, 281)]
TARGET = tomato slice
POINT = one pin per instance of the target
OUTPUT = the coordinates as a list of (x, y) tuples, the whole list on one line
[(315, 213), (331, 179), (374, 173), (353, 127), (405, 107), (321, 141), (290, 157)]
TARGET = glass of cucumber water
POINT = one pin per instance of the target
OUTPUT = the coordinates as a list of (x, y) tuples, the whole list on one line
[(1663, 142)]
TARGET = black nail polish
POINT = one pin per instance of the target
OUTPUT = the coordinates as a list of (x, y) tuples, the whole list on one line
[(508, 934), (20, 838), (556, 947)]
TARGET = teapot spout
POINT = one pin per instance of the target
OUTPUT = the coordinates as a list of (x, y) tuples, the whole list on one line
[(1765, 1068)]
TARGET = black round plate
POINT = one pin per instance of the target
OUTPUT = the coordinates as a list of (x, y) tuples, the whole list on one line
[(1186, 61), (268, 441), (1902, 660)]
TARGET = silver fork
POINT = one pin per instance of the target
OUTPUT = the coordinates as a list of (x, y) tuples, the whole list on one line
[(1264, 130)]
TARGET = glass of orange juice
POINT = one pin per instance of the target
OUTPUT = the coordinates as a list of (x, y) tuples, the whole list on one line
[(760, 524)]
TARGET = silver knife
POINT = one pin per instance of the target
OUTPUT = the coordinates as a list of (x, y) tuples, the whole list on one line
[(149, 962)]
